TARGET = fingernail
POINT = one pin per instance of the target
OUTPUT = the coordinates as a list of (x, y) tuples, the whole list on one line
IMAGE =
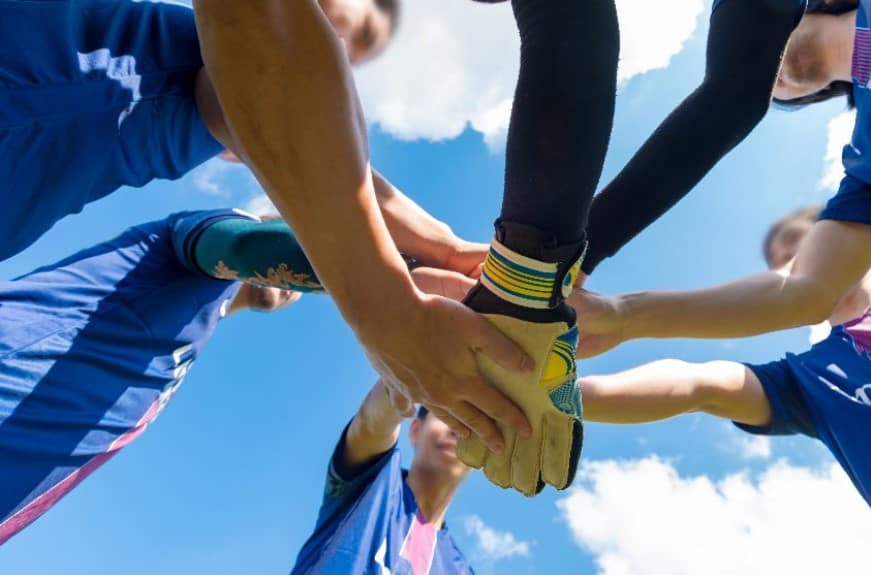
[(497, 448), (525, 432)]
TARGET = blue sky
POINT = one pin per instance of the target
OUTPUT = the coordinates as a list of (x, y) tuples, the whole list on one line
[(228, 480)]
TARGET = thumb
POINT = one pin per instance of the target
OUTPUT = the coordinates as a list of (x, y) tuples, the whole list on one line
[(502, 349)]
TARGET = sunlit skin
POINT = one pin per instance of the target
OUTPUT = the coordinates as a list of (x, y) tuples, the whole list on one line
[(820, 51), (782, 250)]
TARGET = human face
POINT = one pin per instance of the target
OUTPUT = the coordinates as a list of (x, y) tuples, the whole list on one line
[(436, 448), (784, 246), (264, 299), (364, 28)]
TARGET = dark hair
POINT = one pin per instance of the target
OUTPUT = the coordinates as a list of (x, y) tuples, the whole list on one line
[(838, 87), (422, 412), (392, 9), (806, 213)]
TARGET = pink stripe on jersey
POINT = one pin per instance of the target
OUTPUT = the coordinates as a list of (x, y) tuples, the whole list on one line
[(419, 545), (33, 510), (862, 56), (860, 330)]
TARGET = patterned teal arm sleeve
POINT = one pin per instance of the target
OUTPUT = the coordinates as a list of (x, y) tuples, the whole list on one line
[(262, 253)]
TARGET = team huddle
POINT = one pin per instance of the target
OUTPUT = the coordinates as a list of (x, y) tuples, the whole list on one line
[(109, 94)]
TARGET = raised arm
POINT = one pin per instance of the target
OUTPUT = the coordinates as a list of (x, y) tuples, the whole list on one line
[(421, 236), (745, 44), (374, 429), (285, 88)]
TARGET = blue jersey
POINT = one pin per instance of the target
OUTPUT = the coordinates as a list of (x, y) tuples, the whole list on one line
[(825, 393), (853, 201), (91, 349), (371, 525), (94, 95)]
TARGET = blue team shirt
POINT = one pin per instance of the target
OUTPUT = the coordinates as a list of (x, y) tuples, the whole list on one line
[(94, 95), (91, 349), (853, 201), (825, 393), (370, 524)]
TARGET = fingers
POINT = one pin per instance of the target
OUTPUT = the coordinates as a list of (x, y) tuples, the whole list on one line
[(456, 426), (490, 400), (556, 450), (472, 452), (501, 348), (526, 466), (403, 404), (480, 424), (498, 466), (445, 283)]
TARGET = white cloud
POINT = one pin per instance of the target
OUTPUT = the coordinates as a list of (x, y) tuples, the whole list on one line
[(454, 64), (492, 545), (840, 133), (819, 332), (209, 177), (754, 446), (645, 47), (643, 518), (260, 205)]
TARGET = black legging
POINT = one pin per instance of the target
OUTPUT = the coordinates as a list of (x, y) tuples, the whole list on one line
[(562, 114), (745, 45)]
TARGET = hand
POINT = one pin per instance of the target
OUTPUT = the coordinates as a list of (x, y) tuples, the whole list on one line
[(449, 284), (599, 320), (403, 405), (465, 257), (426, 352)]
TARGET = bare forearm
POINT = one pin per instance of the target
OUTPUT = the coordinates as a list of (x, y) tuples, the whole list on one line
[(667, 388), (757, 304), (416, 232), (375, 428), (647, 393), (286, 90), (832, 259)]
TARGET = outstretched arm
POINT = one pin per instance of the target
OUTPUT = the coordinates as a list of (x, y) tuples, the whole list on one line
[(374, 429), (286, 91), (420, 236), (831, 260), (745, 45), (667, 388)]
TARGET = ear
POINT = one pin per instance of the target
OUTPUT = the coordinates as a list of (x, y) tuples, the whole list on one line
[(414, 430)]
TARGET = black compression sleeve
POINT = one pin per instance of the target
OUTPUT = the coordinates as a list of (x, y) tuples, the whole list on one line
[(745, 45), (562, 114)]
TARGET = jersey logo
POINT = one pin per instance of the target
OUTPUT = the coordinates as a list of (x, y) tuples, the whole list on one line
[(863, 394), (380, 557), (121, 69)]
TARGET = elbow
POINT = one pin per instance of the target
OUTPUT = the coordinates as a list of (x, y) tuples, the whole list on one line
[(813, 302)]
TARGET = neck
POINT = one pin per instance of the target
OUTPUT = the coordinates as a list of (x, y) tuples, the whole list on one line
[(837, 40), (433, 494)]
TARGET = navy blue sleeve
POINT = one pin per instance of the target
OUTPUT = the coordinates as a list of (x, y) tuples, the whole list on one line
[(343, 487), (187, 227), (789, 411), (852, 203)]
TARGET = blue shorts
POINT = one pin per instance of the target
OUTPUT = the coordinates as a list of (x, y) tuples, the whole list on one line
[(824, 393), (852, 203)]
